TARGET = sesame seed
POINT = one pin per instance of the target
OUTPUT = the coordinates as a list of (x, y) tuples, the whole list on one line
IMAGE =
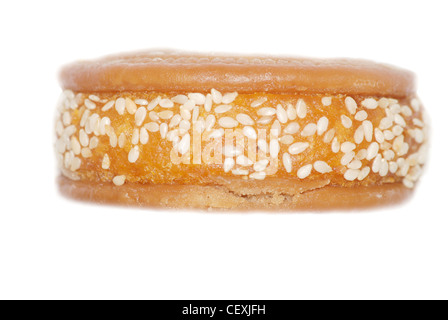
[(244, 161), (369, 103), (258, 175), (135, 136), (276, 128), (383, 103), (89, 104), (120, 106), (347, 146), (418, 122), (326, 101), (347, 158), (216, 96), (93, 143), (66, 118), (363, 173), (393, 167), (361, 115), (86, 152), (263, 145), (140, 116), (250, 132), (165, 115), (287, 139), (329, 135), (397, 130), (144, 136), (415, 104), (361, 154), (175, 120), (372, 150), (229, 163), (260, 165), (154, 102), (388, 155), (264, 120), (266, 111), (216, 134), (368, 130), (131, 107), (376, 164), (94, 98), (384, 168), (198, 98), (141, 102), (298, 147), (335, 145), (229, 97), (104, 123), (75, 164), (304, 171), (59, 128), (119, 180), (84, 118), (185, 114), (184, 144), (152, 127), (113, 140), (231, 151), (385, 123), (282, 116), (83, 138), (351, 174), (244, 119), (354, 164), (292, 128), (359, 134), (258, 102), (419, 135), (399, 120), (408, 183), (379, 136), (166, 103), (108, 106), (163, 130), (388, 135), (105, 164), (322, 125), (301, 108), (309, 130), (346, 121), (210, 122), (208, 102), (75, 146), (240, 172), (173, 135), (222, 108), (322, 167), (133, 154), (227, 122), (291, 112), (287, 162), (385, 145), (184, 125), (195, 114), (121, 140), (351, 105), (274, 148)]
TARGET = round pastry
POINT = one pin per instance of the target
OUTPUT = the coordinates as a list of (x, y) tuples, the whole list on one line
[(181, 130)]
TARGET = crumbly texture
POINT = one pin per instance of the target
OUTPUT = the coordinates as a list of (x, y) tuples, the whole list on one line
[(131, 137)]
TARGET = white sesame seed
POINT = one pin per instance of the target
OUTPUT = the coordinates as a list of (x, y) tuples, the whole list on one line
[(372, 150), (113, 140), (93, 143), (346, 121), (75, 146), (185, 125), (75, 164), (361, 115), (229, 97), (326, 101), (322, 167), (154, 102), (66, 118), (216, 96), (287, 162), (309, 130), (298, 147), (163, 130), (184, 144), (258, 102), (383, 103), (291, 112), (276, 128), (415, 104), (351, 105), (385, 145), (166, 103), (135, 136), (354, 164), (165, 115), (173, 135), (186, 115), (144, 136), (368, 130), (322, 125), (388, 155), (369, 103), (244, 161), (351, 174), (60, 145), (152, 127), (329, 135), (250, 132), (347, 146), (258, 175), (359, 134), (265, 120), (363, 173), (399, 120), (266, 111), (335, 145), (418, 122), (244, 119), (208, 102), (94, 98), (120, 106), (84, 118), (133, 154), (379, 136), (347, 158), (292, 128), (105, 164), (274, 148), (361, 154), (227, 122), (210, 122), (119, 180), (141, 102), (393, 167), (131, 107), (140, 116), (384, 168), (222, 108), (263, 145), (175, 120), (89, 104), (304, 171), (216, 134), (408, 183), (59, 128), (397, 130), (419, 135), (301, 108), (83, 138), (388, 135), (376, 164), (260, 165), (198, 98), (104, 124), (282, 116), (385, 123), (121, 140), (240, 172), (287, 139), (229, 163), (86, 152), (195, 114)]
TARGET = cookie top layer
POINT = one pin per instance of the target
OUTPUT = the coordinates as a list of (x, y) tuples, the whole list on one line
[(176, 71)]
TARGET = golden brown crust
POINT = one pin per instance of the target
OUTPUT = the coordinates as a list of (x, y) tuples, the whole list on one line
[(171, 71), (222, 198)]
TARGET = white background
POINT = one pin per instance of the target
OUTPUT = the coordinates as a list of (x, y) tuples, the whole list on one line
[(51, 247)]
